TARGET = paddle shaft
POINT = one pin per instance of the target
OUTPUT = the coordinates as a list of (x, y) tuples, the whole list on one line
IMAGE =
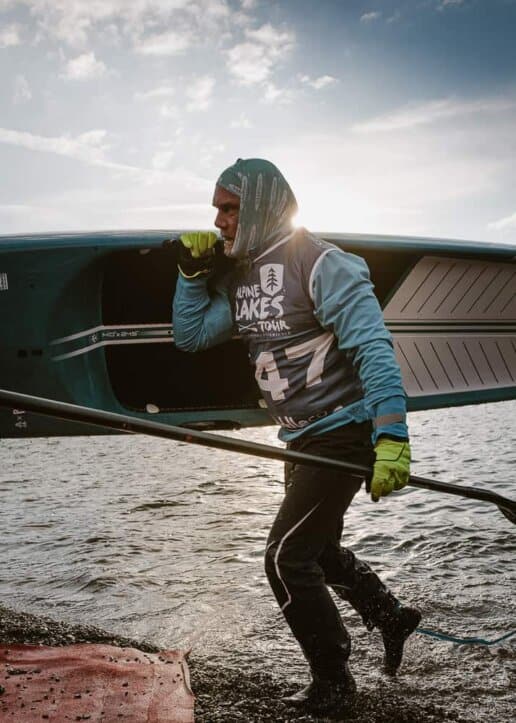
[(125, 423)]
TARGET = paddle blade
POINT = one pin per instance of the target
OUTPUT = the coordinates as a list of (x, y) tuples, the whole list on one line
[(509, 513)]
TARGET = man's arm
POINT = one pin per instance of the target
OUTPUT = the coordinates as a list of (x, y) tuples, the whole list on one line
[(200, 320), (346, 305)]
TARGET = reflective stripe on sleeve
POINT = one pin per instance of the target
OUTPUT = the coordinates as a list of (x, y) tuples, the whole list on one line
[(386, 419)]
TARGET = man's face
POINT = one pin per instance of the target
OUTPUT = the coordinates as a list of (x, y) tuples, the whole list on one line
[(228, 209)]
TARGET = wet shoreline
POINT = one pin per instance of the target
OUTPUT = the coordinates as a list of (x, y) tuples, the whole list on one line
[(226, 695)]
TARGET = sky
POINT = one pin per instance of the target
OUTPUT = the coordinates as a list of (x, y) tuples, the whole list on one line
[(386, 116)]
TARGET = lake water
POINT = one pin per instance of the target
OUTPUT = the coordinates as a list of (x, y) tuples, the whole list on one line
[(164, 542)]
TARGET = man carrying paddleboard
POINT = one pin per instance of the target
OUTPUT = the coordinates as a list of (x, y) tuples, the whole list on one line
[(326, 368)]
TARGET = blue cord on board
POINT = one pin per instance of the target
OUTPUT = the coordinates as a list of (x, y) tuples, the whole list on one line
[(464, 641)]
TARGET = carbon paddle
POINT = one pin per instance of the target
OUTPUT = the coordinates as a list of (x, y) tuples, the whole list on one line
[(125, 423)]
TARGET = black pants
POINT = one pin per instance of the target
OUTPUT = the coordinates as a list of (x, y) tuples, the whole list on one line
[(304, 556)]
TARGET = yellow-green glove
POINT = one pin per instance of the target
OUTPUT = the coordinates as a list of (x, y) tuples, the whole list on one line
[(196, 253), (200, 243), (391, 470)]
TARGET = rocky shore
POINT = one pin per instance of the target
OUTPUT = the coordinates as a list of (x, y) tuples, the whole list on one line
[(224, 695)]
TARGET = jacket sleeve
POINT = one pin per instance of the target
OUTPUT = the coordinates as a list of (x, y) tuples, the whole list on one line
[(345, 304), (200, 319)]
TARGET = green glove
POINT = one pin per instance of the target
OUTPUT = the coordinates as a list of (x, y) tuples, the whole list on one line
[(196, 253), (391, 470), (200, 243)]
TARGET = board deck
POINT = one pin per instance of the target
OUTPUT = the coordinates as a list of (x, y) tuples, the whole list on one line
[(86, 318)]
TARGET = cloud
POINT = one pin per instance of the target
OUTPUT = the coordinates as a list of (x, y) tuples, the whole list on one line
[(171, 207), (394, 18), (241, 122), (169, 43), (273, 94), (318, 83), (71, 21), (181, 145), (89, 147), (209, 153), (443, 4), (162, 91), (167, 110), (162, 160), (74, 21), (9, 36), (254, 60), (438, 180), (431, 112), (215, 9), (16, 208), (199, 93), (84, 67), (22, 92), (508, 222), (128, 208), (272, 38), (248, 63), (370, 17)]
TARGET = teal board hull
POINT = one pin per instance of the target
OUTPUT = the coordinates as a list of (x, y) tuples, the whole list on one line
[(85, 319)]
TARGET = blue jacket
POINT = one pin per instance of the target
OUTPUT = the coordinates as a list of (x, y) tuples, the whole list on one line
[(343, 302)]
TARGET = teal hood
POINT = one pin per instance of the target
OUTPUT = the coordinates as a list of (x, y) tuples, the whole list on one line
[(267, 205)]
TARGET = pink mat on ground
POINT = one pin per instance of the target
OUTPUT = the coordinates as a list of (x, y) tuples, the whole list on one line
[(93, 683)]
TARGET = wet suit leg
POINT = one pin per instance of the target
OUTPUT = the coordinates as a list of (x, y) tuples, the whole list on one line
[(356, 582), (303, 553)]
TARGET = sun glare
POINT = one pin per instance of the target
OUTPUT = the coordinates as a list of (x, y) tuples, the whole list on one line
[(332, 214)]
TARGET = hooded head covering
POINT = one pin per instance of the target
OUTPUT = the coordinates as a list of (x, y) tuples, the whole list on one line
[(267, 205)]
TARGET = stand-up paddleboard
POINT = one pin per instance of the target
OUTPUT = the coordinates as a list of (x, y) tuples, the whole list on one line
[(85, 319)]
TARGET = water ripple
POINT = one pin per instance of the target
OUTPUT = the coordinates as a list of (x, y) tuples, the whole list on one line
[(177, 556)]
